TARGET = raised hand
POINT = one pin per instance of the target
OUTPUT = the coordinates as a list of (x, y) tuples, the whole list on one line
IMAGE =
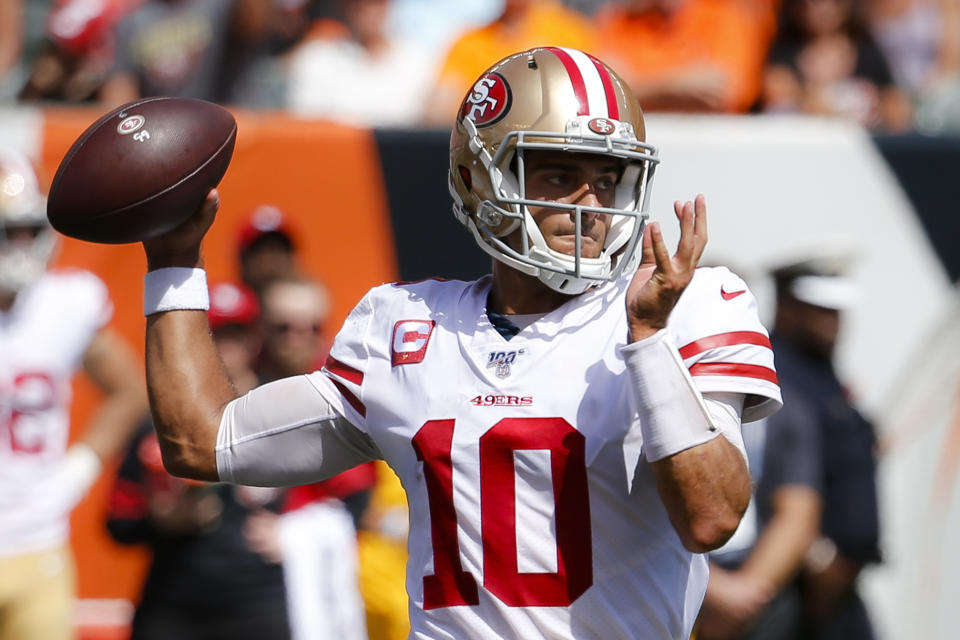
[(661, 278), (180, 247)]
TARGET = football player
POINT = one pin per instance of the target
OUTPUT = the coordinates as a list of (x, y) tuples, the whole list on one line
[(51, 322), (567, 429)]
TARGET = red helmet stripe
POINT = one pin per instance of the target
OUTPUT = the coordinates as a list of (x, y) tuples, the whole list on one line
[(613, 110), (576, 78)]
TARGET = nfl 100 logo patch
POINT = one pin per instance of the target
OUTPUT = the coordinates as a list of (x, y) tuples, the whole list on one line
[(500, 361)]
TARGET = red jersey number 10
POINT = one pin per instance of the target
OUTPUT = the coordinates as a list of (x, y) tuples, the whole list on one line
[(450, 585)]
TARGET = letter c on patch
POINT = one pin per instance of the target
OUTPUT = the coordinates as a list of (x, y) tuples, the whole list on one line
[(410, 340)]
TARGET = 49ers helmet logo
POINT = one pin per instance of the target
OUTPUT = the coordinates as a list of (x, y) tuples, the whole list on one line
[(488, 101), (601, 126)]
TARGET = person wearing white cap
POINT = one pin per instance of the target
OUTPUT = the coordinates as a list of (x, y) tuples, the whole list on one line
[(815, 485)]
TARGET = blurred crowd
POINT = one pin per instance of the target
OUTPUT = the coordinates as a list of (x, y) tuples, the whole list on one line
[(890, 65)]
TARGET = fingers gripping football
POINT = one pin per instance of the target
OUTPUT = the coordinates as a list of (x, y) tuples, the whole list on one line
[(180, 247), (661, 278)]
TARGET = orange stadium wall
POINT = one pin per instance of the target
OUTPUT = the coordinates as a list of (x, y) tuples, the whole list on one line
[(327, 177)]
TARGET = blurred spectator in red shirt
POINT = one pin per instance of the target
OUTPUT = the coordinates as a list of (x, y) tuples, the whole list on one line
[(687, 55), (825, 62)]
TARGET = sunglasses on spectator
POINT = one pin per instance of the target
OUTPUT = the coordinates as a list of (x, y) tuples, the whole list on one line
[(291, 327)]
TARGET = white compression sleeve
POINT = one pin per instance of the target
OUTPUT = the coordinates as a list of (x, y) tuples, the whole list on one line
[(726, 412), (673, 414), (286, 433)]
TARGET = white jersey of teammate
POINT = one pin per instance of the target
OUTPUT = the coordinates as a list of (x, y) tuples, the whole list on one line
[(42, 341), (533, 513)]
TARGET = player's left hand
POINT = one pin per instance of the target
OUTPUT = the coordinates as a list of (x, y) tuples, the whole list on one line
[(661, 278)]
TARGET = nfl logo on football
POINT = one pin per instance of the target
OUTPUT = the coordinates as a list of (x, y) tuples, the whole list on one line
[(502, 361)]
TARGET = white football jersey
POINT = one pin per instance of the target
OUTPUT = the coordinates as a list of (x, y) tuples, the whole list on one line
[(42, 342), (533, 513)]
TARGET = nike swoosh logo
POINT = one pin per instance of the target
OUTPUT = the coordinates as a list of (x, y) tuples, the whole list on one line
[(731, 295)]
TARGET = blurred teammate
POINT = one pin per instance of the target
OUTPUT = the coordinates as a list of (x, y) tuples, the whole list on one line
[(51, 323), (567, 429)]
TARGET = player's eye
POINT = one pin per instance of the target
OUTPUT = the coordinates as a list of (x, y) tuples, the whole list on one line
[(606, 183), (558, 179)]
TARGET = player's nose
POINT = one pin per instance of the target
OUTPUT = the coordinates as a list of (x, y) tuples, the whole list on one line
[(585, 195)]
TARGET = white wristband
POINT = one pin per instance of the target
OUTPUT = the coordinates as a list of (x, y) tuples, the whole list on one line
[(174, 288), (671, 410)]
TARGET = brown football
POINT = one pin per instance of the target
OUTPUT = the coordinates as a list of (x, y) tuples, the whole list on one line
[(141, 170)]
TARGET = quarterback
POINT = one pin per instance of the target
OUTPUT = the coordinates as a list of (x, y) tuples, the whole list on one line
[(567, 428)]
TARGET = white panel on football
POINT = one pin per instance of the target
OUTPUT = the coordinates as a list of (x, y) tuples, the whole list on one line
[(535, 512)]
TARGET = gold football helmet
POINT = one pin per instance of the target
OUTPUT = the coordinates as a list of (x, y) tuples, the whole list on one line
[(549, 98), (26, 239)]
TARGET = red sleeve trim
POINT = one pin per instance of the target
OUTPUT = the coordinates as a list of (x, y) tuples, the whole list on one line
[(734, 369), (342, 485), (349, 397), (344, 371), (725, 340)]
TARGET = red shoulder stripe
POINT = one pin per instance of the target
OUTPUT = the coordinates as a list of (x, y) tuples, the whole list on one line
[(724, 340), (736, 369), (344, 371)]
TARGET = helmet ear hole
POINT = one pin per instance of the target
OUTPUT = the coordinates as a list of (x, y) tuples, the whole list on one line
[(466, 177)]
